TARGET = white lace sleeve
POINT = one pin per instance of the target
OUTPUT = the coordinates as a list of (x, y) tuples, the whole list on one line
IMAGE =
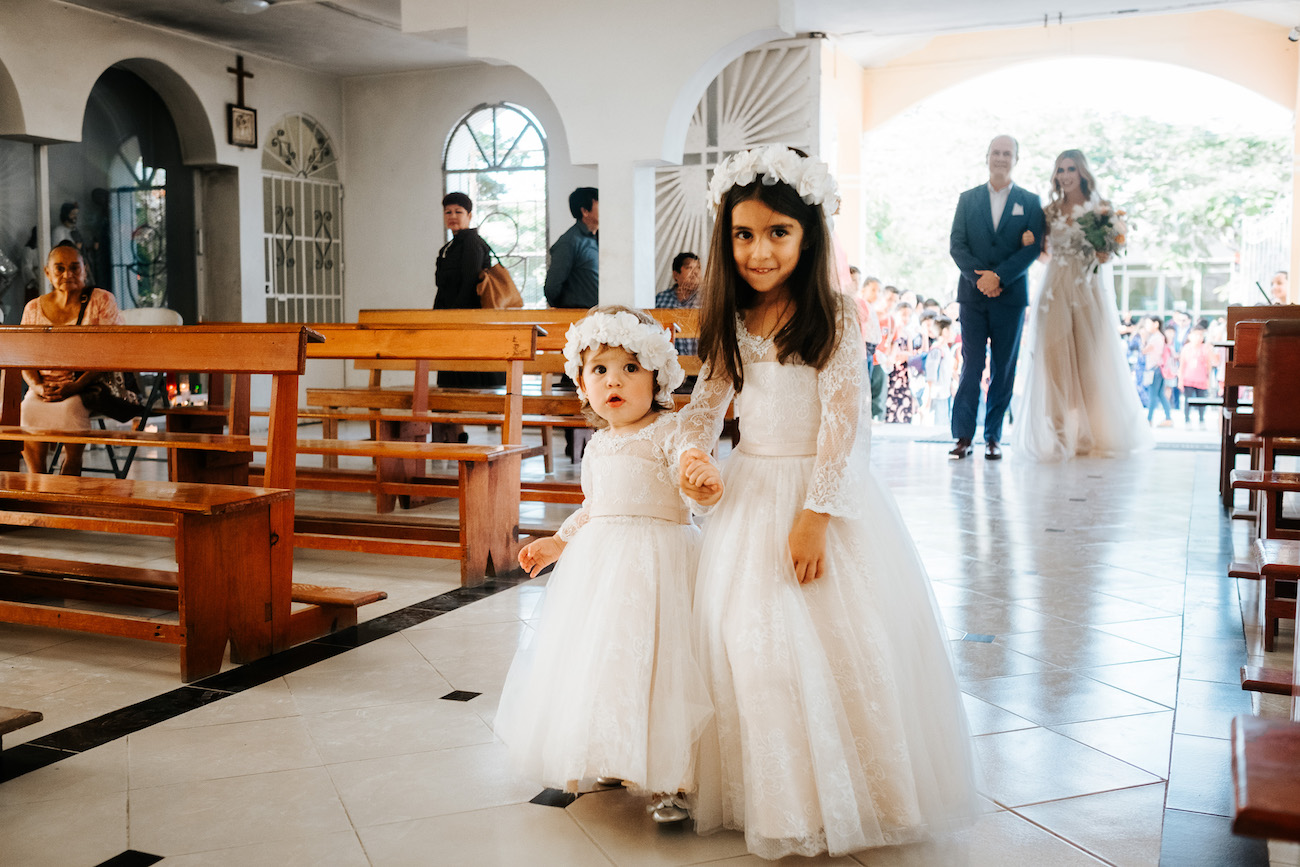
[(839, 473), (573, 524), (578, 519), (701, 420)]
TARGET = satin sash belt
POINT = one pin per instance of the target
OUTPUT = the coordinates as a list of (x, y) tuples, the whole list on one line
[(676, 514), (778, 450)]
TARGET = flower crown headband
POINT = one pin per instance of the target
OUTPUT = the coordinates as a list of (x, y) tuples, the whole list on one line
[(809, 177), (649, 343)]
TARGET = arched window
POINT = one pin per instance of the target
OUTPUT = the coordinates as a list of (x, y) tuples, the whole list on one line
[(496, 155), (302, 219)]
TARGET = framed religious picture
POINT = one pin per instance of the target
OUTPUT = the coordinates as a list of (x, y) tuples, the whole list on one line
[(241, 126)]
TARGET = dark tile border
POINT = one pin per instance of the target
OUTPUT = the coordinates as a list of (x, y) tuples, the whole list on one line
[(75, 739), (131, 858)]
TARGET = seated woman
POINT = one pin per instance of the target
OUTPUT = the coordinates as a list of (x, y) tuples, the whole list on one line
[(53, 399)]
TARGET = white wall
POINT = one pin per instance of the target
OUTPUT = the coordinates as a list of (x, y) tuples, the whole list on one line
[(394, 131)]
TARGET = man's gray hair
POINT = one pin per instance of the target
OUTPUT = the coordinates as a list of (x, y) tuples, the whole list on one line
[(1015, 146)]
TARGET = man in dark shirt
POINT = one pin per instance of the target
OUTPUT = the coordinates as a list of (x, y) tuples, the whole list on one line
[(573, 276), (685, 292)]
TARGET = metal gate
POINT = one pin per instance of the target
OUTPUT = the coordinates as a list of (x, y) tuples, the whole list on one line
[(302, 228)]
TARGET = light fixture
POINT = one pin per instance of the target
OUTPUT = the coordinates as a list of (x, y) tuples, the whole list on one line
[(1294, 35), (246, 7)]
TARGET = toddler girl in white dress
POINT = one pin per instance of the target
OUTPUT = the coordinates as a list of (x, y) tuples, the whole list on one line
[(609, 687)]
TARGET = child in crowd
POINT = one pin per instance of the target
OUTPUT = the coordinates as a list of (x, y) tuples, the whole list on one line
[(815, 619), (898, 393), (939, 363), (609, 687), (1194, 364)]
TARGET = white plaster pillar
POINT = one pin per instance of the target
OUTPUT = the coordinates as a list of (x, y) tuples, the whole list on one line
[(41, 157), (627, 234)]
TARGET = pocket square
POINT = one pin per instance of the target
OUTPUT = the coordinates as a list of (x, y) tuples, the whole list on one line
[(1017, 210)]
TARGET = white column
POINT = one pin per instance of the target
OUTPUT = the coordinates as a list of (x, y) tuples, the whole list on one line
[(627, 234), (41, 157)]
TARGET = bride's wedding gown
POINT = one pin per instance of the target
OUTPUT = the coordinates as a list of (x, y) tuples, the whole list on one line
[(1079, 397)]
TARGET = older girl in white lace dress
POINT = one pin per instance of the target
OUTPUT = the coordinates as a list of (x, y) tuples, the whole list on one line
[(838, 725), (609, 685)]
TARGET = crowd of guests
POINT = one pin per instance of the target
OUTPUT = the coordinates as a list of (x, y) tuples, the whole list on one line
[(915, 361)]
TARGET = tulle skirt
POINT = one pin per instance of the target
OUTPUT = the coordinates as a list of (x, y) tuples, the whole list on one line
[(838, 723), (609, 685), (1078, 397)]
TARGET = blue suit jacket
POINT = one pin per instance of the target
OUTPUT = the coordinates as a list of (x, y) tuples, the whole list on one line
[(976, 246)]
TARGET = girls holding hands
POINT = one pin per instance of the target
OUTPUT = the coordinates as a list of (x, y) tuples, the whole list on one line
[(837, 723), (609, 685)]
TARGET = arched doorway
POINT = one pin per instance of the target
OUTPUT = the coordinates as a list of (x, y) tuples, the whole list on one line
[(135, 196), (1194, 158)]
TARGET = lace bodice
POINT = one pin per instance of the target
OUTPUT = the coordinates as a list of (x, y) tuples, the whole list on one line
[(792, 410), (634, 475)]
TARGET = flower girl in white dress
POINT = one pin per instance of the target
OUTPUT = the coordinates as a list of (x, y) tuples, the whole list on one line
[(609, 686), (838, 725)]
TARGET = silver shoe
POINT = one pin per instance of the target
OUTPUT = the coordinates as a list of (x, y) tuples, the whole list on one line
[(666, 809), (609, 782)]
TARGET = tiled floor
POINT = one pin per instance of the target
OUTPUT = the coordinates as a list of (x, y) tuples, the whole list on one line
[(1093, 629)]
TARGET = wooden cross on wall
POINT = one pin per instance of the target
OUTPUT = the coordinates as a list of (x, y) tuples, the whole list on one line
[(240, 74), (241, 121)]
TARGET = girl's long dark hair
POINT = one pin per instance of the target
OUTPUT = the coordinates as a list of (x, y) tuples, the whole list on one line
[(813, 328)]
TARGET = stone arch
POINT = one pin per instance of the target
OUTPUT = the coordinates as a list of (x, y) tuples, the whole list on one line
[(12, 122), (1236, 48), (193, 123)]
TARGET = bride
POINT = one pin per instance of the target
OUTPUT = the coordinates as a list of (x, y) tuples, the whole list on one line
[(1079, 398)]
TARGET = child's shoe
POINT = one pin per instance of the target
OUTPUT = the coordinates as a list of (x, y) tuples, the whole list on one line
[(666, 809)]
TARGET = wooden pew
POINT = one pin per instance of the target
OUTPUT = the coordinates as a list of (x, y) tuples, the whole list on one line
[(548, 365), (12, 719), (1276, 554), (1266, 778), (1234, 416), (222, 592), (485, 539)]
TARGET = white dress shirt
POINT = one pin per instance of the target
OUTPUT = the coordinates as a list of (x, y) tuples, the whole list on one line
[(998, 201)]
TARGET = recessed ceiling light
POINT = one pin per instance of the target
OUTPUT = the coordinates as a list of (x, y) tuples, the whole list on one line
[(246, 7)]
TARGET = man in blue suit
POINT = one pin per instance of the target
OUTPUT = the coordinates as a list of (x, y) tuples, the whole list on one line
[(997, 234)]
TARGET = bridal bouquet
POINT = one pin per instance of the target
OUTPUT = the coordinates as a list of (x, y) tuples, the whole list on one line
[(1105, 231)]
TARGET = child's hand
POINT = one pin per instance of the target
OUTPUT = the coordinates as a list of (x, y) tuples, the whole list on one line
[(808, 545), (699, 478), (705, 485), (539, 554)]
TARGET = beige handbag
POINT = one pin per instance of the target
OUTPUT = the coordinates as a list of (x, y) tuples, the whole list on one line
[(496, 288)]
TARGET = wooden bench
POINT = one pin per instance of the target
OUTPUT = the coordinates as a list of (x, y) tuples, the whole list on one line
[(1238, 373), (547, 365), (485, 539), (12, 719), (1266, 778), (219, 589), (222, 592)]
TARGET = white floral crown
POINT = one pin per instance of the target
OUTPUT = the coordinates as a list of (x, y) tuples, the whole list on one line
[(810, 178), (650, 344)]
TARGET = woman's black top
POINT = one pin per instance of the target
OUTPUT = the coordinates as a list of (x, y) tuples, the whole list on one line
[(460, 261)]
